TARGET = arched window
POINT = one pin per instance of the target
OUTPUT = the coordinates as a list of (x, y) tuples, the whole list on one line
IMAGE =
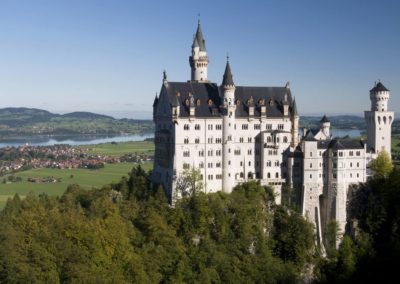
[(284, 139)]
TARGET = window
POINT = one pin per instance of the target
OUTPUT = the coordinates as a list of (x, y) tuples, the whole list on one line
[(269, 139), (245, 126), (186, 166), (257, 126), (218, 152), (276, 175), (268, 175), (218, 140), (281, 126), (210, 140), (358, 153), (210, 127), (334, 175), (241, 175), (241, 139), (186, 127), (310, 165), (268, 126), (351, 153), (249, 139), (218, 126), (237, 152), (276, 163), (210, 177), (210, 165), (358, 165), (340, 154), (210, 153), (285, 139), (201, 165), (218, 165), (197, 140), (268, 163), (186, 153), (218, 176), (201, 153), (310, 175), (186, 141), (310, 154), (249, 152), (334, 165)]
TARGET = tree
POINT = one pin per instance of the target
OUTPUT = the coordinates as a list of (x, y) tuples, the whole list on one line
[(189, 182), (382, 165)]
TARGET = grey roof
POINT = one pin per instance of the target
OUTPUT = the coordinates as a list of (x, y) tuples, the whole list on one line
[(309, 136), (228, 78), (200, 39), (324, 119), (379, 88), (207, 93), (341, 143), (155, 101), (195, 42), (294, 108)]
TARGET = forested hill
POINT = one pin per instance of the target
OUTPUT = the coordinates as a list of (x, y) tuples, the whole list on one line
[(31, 121)]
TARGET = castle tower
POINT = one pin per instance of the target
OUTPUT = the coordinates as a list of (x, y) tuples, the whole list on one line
[(295, 125), (229, 107), (379, 120), (199, 59), (325, 126)]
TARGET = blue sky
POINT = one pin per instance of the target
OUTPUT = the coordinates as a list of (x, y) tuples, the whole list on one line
[(108, 56)]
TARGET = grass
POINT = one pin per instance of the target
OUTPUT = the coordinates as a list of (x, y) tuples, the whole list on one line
[(120, 149), (85, 178)]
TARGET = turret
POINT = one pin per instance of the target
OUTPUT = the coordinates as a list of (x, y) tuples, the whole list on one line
[(379, 120), (325, 126), (295, 124), (229, 108), (379, 97), (199, 59)]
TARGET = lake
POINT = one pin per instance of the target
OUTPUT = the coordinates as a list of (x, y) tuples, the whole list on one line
[(71, 140), (98, 139)]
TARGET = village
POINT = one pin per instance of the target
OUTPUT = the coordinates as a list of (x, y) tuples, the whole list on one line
[(16, 159)]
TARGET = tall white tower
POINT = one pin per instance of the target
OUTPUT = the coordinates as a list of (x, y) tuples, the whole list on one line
[(379, 120), (228, 142), (199, 59)]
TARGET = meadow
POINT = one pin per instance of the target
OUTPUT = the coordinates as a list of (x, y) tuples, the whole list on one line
[(86, 178), (119, 149)]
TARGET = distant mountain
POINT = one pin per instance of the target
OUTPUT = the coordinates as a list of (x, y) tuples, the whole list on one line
[(337, 121), (31, 121)]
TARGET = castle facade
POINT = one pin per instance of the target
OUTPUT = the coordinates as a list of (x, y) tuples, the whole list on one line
[(233, 134)]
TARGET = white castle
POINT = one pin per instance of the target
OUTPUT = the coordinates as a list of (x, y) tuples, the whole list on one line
[(234, 134)]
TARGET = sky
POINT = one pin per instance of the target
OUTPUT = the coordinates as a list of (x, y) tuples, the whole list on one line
[(108, 56)]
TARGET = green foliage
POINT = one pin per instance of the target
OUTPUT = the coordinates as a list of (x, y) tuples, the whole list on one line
[(128, 233), (382, 165), (189, 182), (331, 238), (371, 249)]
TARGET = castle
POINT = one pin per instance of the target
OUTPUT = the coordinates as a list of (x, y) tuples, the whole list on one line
[(233, 134)]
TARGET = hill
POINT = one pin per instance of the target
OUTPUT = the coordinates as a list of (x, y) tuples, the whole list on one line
[(16, 122)]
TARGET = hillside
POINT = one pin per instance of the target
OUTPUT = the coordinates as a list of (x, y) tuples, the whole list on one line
[(29, 121)]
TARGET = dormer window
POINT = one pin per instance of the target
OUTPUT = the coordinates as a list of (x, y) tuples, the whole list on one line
[(210, 102), (198, 102), (238, 102), (271, 102), (187, 102)]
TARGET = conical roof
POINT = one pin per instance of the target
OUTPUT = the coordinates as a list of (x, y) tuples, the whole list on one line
[(199, 37), (294, 108), (379, 88), (228, 78), (324, 119), (155, 100)]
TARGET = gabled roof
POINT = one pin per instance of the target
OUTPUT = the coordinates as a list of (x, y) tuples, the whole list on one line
[(341, 144), (379, 88), (210, 100), (309, 136)]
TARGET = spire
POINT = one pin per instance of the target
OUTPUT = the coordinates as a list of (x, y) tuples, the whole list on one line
[(195, 42), (155, 100), (227, 79), (294, 108), (199, 37), (324, 119)]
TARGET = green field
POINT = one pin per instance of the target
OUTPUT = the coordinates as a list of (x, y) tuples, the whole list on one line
[(119, 149), (85, 178)]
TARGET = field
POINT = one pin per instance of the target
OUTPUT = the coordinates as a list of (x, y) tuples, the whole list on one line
[(86, 178), (119, 149)]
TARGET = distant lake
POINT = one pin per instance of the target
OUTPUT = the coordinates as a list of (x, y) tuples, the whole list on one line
[(71, 140), (98, 139)]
